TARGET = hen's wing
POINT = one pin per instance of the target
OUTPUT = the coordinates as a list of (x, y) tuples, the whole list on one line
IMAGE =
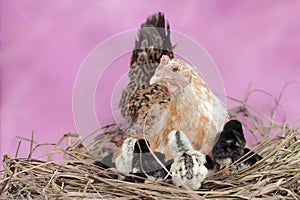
[(147, 107), (153, 42)]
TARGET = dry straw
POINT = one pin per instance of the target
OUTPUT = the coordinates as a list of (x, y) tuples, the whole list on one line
[(277, 176)]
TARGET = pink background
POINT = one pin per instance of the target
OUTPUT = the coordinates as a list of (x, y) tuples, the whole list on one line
[(43, 44)]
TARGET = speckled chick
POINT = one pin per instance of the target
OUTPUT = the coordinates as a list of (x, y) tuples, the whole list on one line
[(188, 168)]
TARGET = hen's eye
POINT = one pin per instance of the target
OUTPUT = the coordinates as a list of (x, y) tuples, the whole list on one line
[(174, 69)]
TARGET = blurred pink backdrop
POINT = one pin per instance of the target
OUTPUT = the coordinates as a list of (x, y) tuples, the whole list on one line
[(43, 44)]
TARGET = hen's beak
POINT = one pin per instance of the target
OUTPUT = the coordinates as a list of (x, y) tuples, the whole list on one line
[(154, 79)]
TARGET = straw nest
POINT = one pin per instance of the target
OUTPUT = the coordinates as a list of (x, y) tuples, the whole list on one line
[(277, 176)]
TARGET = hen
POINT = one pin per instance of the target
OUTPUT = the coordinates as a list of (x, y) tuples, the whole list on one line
[(190, 107), (166, 94)]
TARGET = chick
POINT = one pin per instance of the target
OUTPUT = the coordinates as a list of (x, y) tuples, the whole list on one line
[(124, 160), (230, 145), (250, 159), (106, 163), (210, 164), (188, 168), (145, 165)]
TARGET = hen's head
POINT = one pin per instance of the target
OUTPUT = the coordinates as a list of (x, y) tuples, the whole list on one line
[(173, 74)]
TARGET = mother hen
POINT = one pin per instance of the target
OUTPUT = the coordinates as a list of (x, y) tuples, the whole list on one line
[(193, 108), (175, 98)]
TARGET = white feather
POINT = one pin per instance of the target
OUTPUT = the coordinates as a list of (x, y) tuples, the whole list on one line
[(178, 143), (124, 160)]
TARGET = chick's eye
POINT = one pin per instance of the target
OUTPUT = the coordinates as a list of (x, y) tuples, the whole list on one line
[(174, 69)]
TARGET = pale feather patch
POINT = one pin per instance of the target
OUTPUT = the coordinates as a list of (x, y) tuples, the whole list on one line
[(124, 160)]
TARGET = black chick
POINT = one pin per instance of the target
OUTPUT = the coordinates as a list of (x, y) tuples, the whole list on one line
[(250, 159), (106, 163), (230, 145), (145, 165), (209, 164)]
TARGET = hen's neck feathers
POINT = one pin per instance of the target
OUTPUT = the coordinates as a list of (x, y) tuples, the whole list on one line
[(194, 93)]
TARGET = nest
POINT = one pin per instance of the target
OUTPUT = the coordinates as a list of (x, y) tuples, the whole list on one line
[(276, 176)]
